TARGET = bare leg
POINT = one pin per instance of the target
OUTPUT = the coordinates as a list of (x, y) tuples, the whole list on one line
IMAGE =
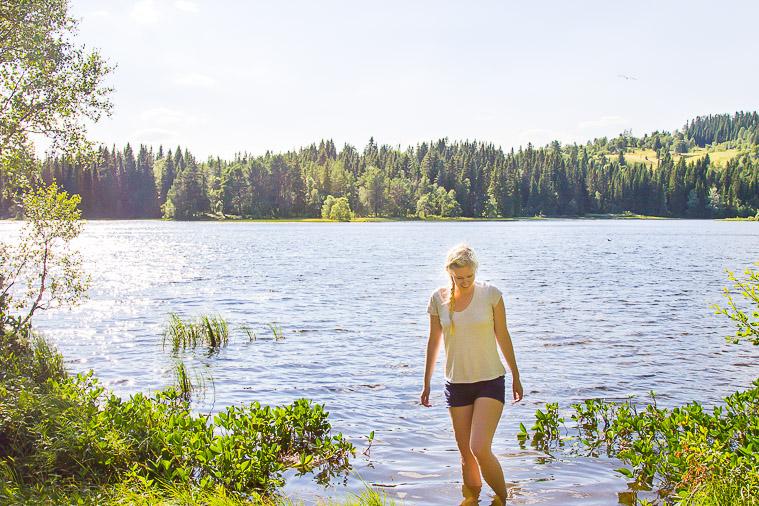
[(462, 425), (485, 417)]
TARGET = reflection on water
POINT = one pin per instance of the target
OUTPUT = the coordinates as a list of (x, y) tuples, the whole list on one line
[(596, 309)]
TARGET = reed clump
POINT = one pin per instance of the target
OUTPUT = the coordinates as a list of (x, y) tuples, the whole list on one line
[(207, 331), (187, 385), (276, 331)]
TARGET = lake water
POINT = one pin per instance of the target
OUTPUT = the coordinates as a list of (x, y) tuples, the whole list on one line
[(595, 309)]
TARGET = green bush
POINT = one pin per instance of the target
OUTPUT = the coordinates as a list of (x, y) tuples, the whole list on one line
[(687, 454), (673, 451), (747, 322), (336, 209), (58, 428)]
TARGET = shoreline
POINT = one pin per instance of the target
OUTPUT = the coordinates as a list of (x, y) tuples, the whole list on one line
[(588, 217)]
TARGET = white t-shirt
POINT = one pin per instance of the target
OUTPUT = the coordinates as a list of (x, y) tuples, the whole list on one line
[(471, 350)]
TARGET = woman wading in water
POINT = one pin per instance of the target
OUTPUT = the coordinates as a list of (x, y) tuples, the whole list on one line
[(470, 318)]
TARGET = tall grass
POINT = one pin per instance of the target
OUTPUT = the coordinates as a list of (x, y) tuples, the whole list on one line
[(276, 331), (721, 491), (187, 386), (369, 497), (183, 382), (135, 493), (249, 332), (211, 332)]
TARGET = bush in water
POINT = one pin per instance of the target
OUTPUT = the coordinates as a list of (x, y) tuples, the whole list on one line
[(56, 427), (687, 454)]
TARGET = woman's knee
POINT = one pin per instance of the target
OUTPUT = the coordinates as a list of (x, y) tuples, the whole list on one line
[(468, 459), (481, 449)]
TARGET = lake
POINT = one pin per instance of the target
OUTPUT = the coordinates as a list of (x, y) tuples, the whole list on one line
[(595, 308)]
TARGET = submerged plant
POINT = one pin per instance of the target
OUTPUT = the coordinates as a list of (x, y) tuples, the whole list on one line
[(187, 386), (276, 331), (216, 331), (249, 332), (209, 331)]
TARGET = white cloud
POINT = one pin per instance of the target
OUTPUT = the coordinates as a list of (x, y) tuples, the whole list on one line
[(603, 122), (154, 136), (187, 6), (165, 117), (195, 80), (145, 12)]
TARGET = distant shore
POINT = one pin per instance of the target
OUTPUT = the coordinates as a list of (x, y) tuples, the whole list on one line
[(589, 216), (437, 219)]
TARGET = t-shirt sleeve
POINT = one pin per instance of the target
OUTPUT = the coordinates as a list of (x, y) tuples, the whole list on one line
[(432, 306), (495, 295)]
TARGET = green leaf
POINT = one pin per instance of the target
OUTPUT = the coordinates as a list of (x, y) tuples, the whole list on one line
[(625, 471)]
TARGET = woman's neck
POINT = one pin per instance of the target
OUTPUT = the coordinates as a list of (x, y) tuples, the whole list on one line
[(463, 292)]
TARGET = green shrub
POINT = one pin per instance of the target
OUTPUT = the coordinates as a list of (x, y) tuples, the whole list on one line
[(673, 451), (336, 209), (687, 454), (747, 322), (55, 428)]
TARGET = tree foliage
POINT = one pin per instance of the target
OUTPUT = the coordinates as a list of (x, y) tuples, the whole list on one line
[(48, 84), (435, 179), (747, 321), (40, 271)]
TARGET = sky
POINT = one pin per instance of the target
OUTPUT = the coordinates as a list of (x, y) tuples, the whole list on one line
[(248, 76)]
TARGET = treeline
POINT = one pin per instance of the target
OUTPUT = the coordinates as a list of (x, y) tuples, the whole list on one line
[(442, 178), (714, 129)]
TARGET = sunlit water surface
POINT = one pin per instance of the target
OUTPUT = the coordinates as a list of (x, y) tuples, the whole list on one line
[(595, 309)]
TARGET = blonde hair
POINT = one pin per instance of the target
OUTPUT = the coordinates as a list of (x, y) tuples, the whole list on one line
[(461, 255)]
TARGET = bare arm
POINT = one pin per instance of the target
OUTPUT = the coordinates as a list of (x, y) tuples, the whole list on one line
[(504, 342), (433, 348)]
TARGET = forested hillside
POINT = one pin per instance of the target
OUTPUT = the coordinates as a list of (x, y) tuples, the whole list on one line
[(709, 168)]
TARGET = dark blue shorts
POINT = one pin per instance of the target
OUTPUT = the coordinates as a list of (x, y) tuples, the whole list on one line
[(463, 394)]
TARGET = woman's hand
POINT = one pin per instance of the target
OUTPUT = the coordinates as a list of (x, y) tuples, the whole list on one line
[(516, 388), (425, 397)]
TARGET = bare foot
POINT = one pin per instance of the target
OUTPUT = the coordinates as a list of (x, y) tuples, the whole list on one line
[(471, 495), (498, 501)]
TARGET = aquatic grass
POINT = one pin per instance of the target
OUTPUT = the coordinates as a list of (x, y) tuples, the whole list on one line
[(209, 331), (276, 331), (184, 385), (721, 492), (216, 331), (179, 334), (249, 332), (182, 381)]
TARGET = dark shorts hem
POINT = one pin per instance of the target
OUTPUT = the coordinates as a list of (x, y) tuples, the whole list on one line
[(464, 394)]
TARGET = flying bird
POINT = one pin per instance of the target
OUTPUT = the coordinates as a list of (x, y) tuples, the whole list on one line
[(629, 78)]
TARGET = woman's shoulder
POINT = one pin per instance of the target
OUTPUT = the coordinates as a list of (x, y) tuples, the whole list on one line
[(493, 292), (440, 294), (487, 285)]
